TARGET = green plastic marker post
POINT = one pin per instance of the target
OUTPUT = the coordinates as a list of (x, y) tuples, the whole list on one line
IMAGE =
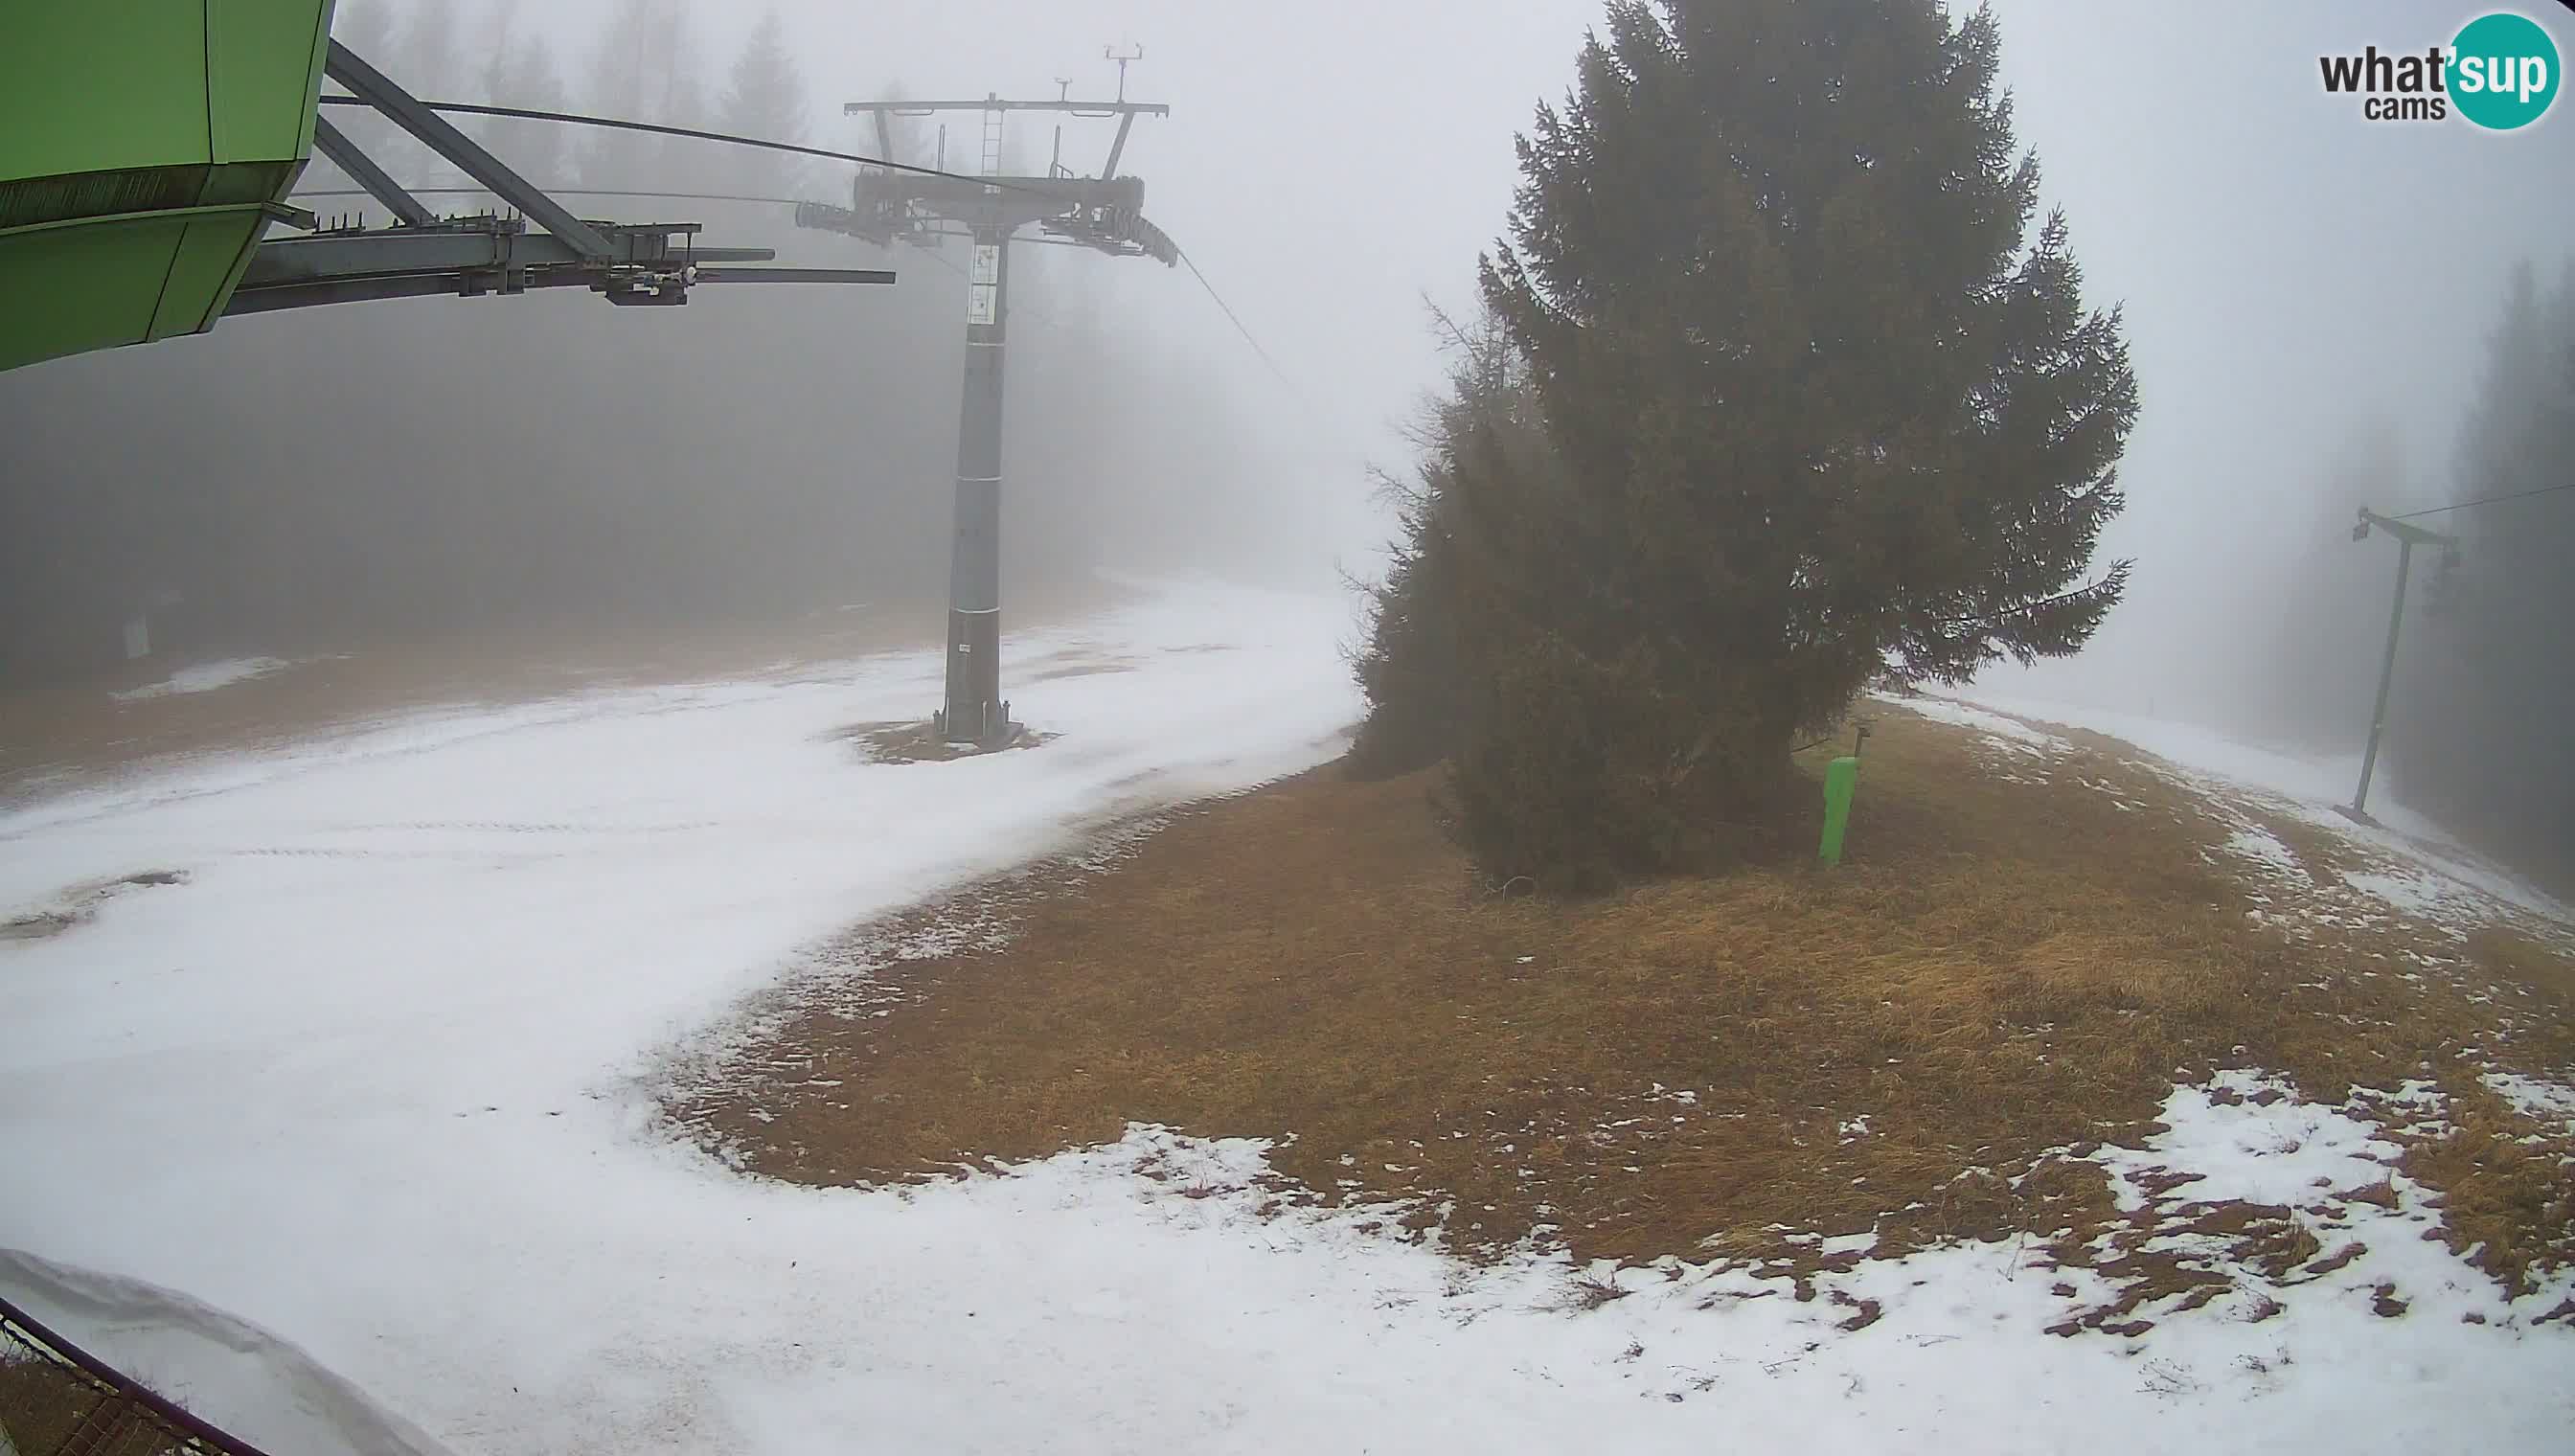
[(1840, 777)]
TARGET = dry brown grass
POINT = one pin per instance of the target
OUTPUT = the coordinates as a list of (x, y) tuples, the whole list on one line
[(2001, 972)]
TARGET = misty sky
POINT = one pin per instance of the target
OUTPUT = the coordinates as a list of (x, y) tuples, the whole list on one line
[(2288, 268)]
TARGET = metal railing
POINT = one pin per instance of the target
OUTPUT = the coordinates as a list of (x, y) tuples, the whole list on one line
[(57, 1399)]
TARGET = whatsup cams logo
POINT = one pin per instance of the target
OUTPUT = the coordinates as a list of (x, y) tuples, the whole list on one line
[(2499, 72)]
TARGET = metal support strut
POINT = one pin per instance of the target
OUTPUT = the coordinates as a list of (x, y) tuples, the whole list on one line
[(629, 264), (441, 136), (330, 142)]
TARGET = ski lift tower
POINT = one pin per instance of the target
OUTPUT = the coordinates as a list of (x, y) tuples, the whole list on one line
[(2407, 537), (1102, 213)]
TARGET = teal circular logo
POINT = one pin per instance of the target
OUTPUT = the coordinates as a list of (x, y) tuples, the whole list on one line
[(2503, 70)]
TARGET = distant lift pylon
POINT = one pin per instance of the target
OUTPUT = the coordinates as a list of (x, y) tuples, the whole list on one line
[(2407, 537), (1104, 214)]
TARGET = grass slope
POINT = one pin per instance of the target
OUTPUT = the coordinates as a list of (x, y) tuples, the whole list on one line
[(2025, 952)]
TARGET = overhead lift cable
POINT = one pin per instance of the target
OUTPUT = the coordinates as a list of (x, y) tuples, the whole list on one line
[(574, 118)]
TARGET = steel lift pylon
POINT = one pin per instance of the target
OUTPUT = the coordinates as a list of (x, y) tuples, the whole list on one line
[(1102, 213)]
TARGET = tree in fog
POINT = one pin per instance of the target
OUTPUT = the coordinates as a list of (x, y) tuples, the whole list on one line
[(364, 26), (1823, 407), (519, 70), (2311, 634), (416, 45), (432, 49), (1410, 670), (429, 61), (764, 97), (644, 68), (2487, 696), (911, 140)]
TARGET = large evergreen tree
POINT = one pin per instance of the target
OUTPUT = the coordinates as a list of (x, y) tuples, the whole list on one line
[(1823, 406)]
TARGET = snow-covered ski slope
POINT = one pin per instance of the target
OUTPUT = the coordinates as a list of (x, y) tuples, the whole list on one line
[(332, 1071), (2308, 787)]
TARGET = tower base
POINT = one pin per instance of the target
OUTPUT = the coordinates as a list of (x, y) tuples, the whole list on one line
[(996, 730)]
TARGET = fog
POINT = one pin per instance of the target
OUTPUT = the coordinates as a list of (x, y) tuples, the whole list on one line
[(2293, 276), (2309, 297)]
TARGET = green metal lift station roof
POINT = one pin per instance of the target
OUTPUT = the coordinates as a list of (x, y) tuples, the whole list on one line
[(144, 145)]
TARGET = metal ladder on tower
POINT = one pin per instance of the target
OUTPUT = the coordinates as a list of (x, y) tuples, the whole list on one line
[(992, 147)]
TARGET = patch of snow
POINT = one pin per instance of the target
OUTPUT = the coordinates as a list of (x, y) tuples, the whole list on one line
[(377, 1081), (205, 677), (2003, 731), (953, 933), (2540, 1101), (2322, 782), (2416, 893), (2312, 788), (386, 1059), (2260, 845), (2279, 1153), (208, 1361), (2298, 1156)]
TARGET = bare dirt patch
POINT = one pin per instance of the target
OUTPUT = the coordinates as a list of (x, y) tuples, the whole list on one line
[(913, 743), (1923, 1046), (79, 906)]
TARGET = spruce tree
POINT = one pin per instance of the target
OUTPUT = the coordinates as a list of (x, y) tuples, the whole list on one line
[(1823, 406), (1411, 672), (765, 98)]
